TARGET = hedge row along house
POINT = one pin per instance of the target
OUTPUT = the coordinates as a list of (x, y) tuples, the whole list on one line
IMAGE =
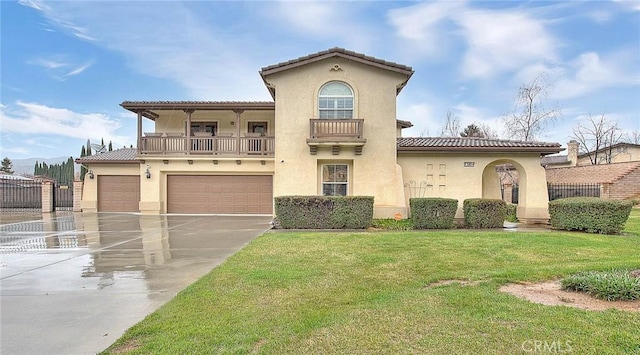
[(331, 129)]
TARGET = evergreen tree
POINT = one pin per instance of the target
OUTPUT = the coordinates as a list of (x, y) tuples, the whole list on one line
[(83, 170), (6, 166), (110, 146), (472, 131)]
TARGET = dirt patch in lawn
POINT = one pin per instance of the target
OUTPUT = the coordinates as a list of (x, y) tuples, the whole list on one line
[(550, 293), (453, 282)]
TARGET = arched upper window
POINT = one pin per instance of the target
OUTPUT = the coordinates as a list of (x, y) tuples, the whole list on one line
[(335, 100)]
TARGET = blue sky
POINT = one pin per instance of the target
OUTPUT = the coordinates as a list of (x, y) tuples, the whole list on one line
[(67, 65)]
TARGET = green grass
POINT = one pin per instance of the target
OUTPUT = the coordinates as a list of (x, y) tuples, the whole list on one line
[(369, 292)]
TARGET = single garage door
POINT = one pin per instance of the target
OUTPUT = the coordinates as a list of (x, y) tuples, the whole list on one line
[(219, 194), (118, 193)]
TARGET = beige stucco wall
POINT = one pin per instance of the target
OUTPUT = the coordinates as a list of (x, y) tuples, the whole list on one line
[(90, 188), (621, 154), (374, 172), (174, 121), (445, 175)]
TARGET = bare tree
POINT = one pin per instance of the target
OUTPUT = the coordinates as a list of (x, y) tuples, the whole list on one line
[(596, 136), (452, 125), (530, 116), (487, 131), (633, 137)]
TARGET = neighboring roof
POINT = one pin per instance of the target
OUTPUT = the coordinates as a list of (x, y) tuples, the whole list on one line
[(591, 174), (147, 107), (631, 145), (336, 52), (555, 160), (404, 124), (473, 144), (14, 177), (123, 155)]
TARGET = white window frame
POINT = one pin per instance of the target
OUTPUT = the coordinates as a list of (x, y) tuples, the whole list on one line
[(336, 112), (345, 183)]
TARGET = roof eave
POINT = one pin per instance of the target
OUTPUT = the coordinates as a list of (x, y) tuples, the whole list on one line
[(186, 105), (112, 161), (541, 150), (284, 66)]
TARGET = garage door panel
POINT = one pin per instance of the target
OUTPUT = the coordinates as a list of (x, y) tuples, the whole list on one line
[(118, 193), (219, 194)]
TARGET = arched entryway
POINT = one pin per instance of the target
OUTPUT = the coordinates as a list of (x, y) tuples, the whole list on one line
[(531, 180)]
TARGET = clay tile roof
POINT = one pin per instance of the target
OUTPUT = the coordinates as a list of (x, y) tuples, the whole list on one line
[(554, 160), (591, 174), (336, 52), (456, 144), (123, 155), (202, 105), (404, 124)]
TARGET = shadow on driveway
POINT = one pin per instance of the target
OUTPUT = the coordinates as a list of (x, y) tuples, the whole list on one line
[(73, 283)]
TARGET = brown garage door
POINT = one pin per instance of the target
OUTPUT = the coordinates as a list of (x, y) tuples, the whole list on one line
[(219, 194), (118, 193)]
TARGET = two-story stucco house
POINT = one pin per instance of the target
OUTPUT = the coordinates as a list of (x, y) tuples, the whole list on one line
[(331, 129)]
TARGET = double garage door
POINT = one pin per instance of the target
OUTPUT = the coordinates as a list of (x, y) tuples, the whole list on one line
[(219, 194)]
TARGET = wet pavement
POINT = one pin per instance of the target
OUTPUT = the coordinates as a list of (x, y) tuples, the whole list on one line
[(73, 283)]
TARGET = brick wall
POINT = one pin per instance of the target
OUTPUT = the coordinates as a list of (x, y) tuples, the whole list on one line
[(628, 187)]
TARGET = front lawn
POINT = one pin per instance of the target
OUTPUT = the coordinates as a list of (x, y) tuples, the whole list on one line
[(371, 292)]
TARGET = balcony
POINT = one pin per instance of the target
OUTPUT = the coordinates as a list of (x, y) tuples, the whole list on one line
[(168, 144), (336, 133)]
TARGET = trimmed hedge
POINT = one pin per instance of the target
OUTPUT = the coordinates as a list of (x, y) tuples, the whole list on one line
[(324, 212), (589, 214), (484, 213), (433, 213), (512, 211)]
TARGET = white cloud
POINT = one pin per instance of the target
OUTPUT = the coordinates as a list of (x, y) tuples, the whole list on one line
[(79, 69), (503, 41), (177, 44), (47, 63), (60, 67), (325, 21), (37, 119), (496, 40), (590, 72), (629, 5), (423, 26)]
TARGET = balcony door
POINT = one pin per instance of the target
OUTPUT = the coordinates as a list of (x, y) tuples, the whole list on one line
[(255, 132), (204, 127)]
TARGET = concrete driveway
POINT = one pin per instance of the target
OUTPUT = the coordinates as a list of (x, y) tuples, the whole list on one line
[(72, 284)]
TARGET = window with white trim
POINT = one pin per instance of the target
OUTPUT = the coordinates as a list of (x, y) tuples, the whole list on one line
[(335, 179), (335, 101)]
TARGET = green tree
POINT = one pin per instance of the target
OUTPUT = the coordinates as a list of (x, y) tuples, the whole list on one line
[(7, 166), (472, 131), (110, 146), (83, 170)]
